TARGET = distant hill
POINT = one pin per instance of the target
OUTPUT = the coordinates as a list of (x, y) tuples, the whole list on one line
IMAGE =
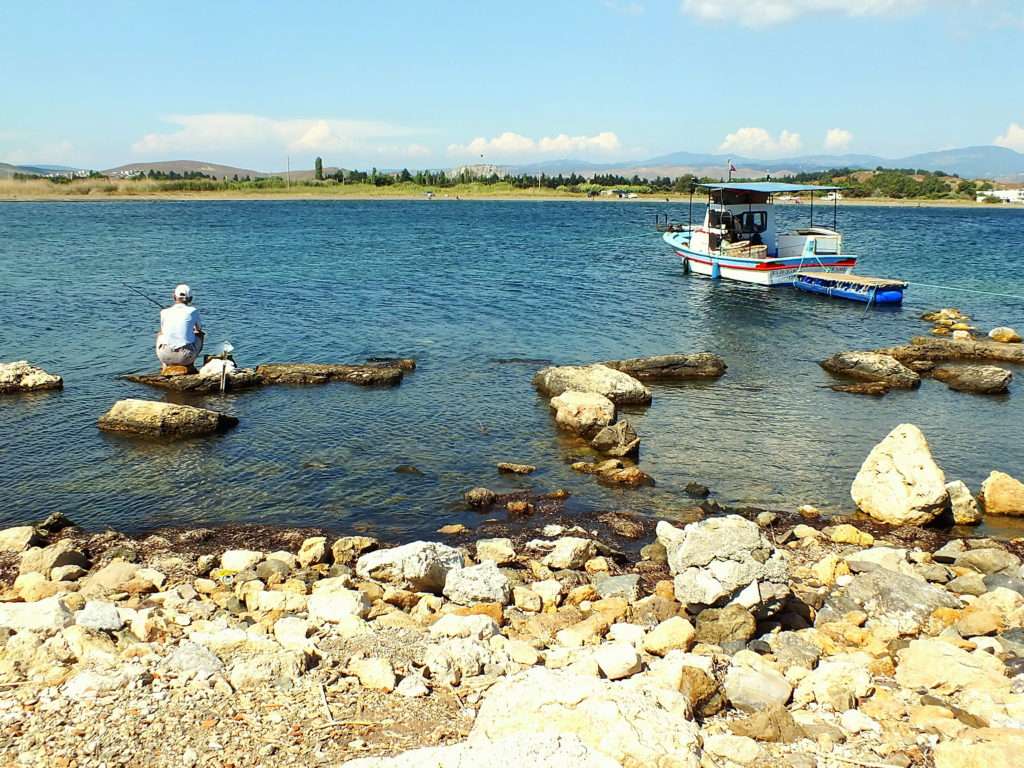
[(184, 166)]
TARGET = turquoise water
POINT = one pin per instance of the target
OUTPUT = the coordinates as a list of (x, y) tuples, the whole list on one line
[(468, 289)]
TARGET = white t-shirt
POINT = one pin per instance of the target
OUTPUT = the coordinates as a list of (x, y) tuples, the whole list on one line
[(178, 325)]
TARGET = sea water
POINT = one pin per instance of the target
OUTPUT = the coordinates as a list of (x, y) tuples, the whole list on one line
[(481, 294)]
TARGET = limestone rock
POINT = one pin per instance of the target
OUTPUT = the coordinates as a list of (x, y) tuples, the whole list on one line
[(49, 614), (312, 551), (516, 469), (44, 559), (671, 634), (698, 365), (941, 667), (872, 366), (962, 504), (980, 379), (156, 419), (22, 377), (480, 497), (981, 748), (240, 559), (837, 683), (473, 626), (617, 660), (98, 614), (734, 750), (1002, 494), (570, 552), (752, 684), (524, 750), (731, 624), (620, 388), (374, 673), (499, 551), (583, 413), (899, 482), (421, 566), (773, 724), (19, 538), (337, 605), (619, 439), (347, 549), (633, 727), (1005, 335), (477, 584), (887, 597)]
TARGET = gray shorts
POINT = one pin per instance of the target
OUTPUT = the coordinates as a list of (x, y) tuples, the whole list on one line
[(179, 355)]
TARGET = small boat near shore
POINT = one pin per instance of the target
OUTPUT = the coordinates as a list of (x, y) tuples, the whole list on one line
[(739, 239)]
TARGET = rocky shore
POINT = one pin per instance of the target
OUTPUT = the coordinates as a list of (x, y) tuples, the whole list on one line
[(742, 638)]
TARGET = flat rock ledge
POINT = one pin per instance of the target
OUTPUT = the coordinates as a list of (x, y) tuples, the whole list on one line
[(374, 373), (872, 367), (938, 349), (21, 376), (154, 419), (699, 365)]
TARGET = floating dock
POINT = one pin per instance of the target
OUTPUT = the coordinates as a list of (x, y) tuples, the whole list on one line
[(862, 288)]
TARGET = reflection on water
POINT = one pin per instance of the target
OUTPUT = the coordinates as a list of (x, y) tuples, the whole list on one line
[(481, 294)]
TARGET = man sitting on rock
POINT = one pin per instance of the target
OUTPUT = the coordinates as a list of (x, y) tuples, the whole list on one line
[(180, 339)]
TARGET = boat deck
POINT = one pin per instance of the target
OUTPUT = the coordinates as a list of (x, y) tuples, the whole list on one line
[(859, 280)]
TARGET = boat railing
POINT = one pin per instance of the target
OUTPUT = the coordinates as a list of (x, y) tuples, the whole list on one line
[(663, 224)]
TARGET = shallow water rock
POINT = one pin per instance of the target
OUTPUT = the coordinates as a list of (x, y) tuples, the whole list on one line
[(980, 379), (313, 373), (929, 348), (20, 376), (155, 419), (696, 365), (421, 566), (1005, 335), (627, 725), (620, 388), (871, 388), (872, 366), (482, 583), (899, 483), (617, 440), (516, 469), (583, 413), (1002, 494)]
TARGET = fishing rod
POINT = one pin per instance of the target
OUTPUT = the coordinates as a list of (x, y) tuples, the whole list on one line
[(140, 293)]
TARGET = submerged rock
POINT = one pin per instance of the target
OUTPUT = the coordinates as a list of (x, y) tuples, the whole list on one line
[(930, 348), (872, 388), (516, 469), (385, 373), (980, 379), (698, 365), (620, 388), (617, 440), (899, 482), (20, 376), (155, 419), (1002, 495), (872, 366)]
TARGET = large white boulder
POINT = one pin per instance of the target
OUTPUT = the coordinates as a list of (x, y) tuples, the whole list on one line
[(482, 583), (48, 614), (899, 482), (631, 725), (620, 388), (150, 418), (421, 566)]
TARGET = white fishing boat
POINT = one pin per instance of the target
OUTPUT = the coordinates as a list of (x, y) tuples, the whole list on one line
[(739, 238)]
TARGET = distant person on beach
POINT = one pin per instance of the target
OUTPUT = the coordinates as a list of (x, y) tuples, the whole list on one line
[(180, 339)]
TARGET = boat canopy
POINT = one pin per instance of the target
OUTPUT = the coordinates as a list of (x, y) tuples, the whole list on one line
[(768, 187)]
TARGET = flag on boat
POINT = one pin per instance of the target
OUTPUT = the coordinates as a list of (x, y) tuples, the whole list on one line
[(732, 168)]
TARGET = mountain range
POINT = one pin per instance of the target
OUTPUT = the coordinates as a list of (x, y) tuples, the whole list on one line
[(981, 162)]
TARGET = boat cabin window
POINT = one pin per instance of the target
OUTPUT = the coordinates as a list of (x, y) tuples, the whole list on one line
[(752, 222)]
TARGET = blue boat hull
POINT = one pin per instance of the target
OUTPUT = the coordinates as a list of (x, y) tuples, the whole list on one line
[(889, 296)]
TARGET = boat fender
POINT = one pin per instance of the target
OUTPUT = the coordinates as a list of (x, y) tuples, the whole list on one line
[(716, 270)]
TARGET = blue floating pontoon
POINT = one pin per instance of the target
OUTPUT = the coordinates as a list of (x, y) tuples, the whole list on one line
[(867, 290)]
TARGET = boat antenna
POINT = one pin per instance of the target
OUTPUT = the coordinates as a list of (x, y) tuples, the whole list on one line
[(140, 293)]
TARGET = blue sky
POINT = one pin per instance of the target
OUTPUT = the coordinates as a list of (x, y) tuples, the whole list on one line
[(435, 84)]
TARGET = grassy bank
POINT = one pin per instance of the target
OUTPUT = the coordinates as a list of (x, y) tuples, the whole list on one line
[(276, 189)]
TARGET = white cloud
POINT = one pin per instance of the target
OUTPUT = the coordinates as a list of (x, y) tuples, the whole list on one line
[(510, 144), (1012, 139), (838, 139), (757, 142), (754, 13), (240, 132)]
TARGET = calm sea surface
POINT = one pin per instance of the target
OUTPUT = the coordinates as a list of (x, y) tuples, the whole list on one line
[(468, 289)]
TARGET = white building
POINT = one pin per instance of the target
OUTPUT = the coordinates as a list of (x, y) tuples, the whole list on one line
[(1006, 195)]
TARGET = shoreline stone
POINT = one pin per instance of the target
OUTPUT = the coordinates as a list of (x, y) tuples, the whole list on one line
[(872, 367), (150, 418), (674, 367), (20, 376)]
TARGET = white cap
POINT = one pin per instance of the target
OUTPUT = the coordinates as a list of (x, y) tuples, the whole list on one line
[(182, 292)]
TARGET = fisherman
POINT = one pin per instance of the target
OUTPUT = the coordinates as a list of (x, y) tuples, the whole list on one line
[(180, 338)]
